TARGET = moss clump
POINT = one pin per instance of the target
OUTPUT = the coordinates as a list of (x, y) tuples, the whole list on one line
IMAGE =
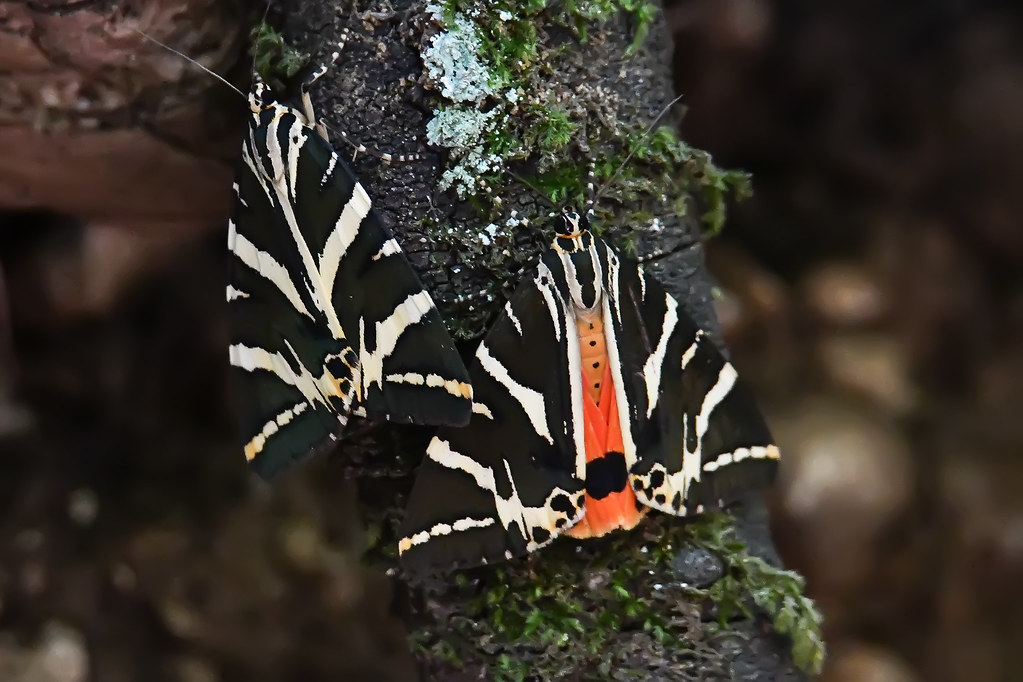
[(776, 591), (577, 13), (272, 58), (494, 65), (613, 605)]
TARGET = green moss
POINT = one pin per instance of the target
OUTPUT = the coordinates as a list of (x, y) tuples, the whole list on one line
[(273, 59), (776, 591), (698, 178), (643, 14), (553, 131), (591, 606), (578, 13)]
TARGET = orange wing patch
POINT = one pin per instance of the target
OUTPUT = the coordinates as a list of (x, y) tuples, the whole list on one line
[(610, 502)]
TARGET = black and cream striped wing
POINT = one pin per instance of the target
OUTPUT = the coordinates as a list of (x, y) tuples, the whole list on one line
[(506, 484), (700, 439), (327, 315)]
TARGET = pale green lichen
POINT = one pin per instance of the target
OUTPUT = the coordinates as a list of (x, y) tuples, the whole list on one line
[(454, 62), (460, 63), (464, 131)]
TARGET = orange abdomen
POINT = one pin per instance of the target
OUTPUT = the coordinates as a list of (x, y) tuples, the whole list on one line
[(593, 349), (610, 503)]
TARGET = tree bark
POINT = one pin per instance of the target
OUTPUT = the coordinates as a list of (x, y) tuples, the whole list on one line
[(102, 125), (376, 96)]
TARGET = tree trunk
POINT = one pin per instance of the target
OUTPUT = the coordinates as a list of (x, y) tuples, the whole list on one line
[(377, 94)]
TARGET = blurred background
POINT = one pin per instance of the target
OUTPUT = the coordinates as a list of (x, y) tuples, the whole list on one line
[(870, 291), (873, 292)]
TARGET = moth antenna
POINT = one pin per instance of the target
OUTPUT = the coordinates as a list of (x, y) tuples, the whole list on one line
[(635, 148), (189, 59)]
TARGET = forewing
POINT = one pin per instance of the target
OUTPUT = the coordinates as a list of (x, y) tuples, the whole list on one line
[(410, 369), (325, 309), (504, 485), (279, 349)]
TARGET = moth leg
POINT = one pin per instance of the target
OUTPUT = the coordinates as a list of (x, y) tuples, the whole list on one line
[(591, 191), (357, 147), (318, 124), (307, 102)]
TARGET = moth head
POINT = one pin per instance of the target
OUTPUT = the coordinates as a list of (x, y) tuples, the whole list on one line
[(571, 224), (258, 96), (261, 96)]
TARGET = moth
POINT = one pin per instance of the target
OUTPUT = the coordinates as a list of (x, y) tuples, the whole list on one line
[(327, 316), (596, 398)]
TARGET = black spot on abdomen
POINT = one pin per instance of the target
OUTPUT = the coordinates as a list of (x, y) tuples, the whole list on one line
[(606, 475)]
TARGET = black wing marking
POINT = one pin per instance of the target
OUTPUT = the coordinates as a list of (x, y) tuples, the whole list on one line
[(505, 484), (327, 315)]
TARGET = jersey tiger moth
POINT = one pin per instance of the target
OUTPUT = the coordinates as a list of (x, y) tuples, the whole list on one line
[(596, 398), (327, 316)]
